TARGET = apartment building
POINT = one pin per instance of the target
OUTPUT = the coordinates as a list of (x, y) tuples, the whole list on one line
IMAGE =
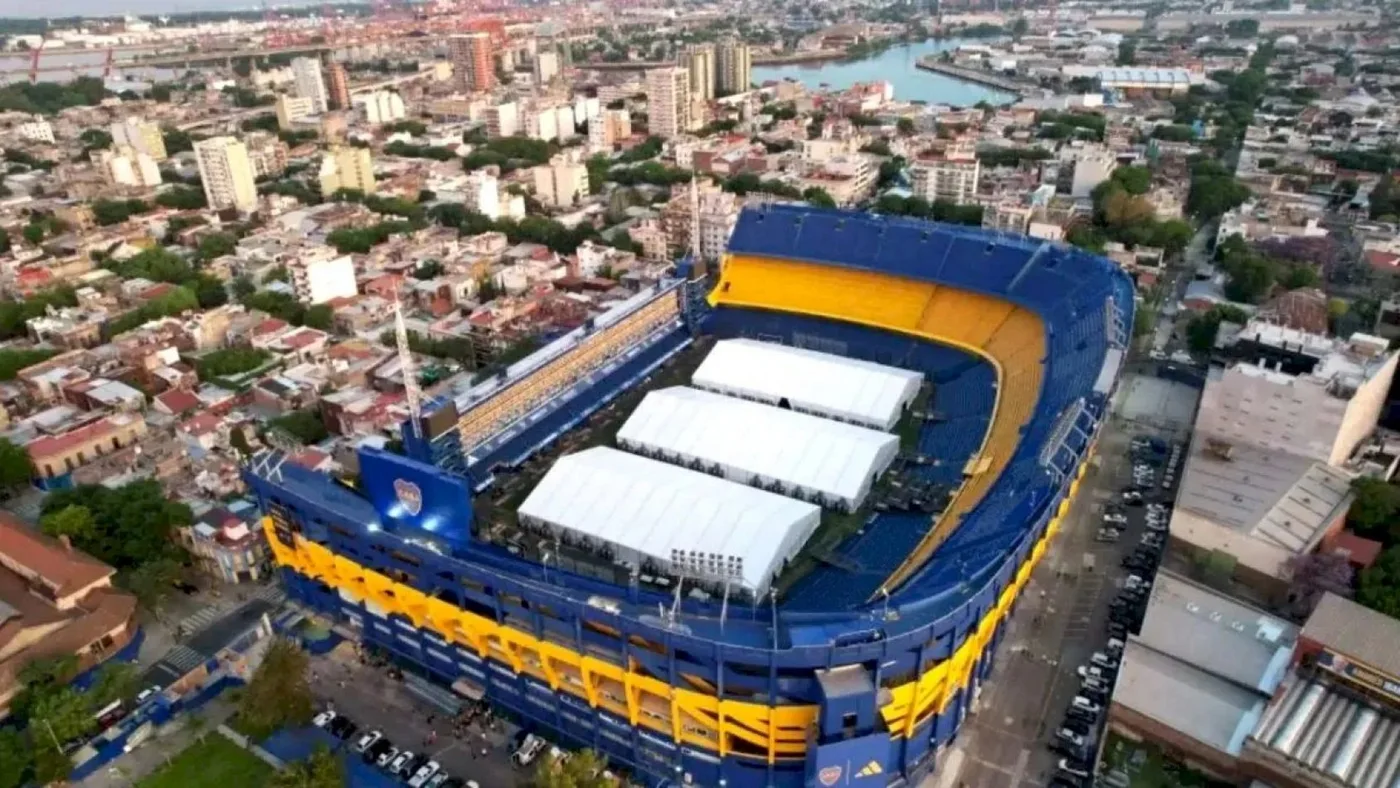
[(733, 67), (1088, 167), (503, 120), (141, 136), (948, 174), (668, 101), (550, 122), (562, 182), (380, 106), (56, 455), (699, 60), (308, 83), (123, 166), (347, 167), (473, 61), (291, 109), (610, 127), (546, 66), (338, 85), (227, 174), (36, 131), (322, 276), (267, 153)]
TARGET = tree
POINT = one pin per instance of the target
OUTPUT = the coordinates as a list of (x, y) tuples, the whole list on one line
[(1201, 331), (1134, 179), (114, 681), (905, 127), (1374, 510), (428, 269), (1212, 195), (278, 695), (305, 425), (231, 361), (583, 769), (321, 769), (1120, 209), (217, 245), (181, 197), (134, 523), (74, 522), (320, 317), (1250, 277), (1312, 574), (1379, 587), (15, 467), (4, 239), (243, 287), (16, 756), (238, 441), (1173, 236), (277, 274), (33, 234), (62, 710), (819, 197)]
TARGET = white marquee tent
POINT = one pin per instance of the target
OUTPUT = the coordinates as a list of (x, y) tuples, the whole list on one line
[(846, 389), (759, 444), (694, 524)]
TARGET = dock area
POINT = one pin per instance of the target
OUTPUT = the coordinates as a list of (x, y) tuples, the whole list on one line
[(976, 76)]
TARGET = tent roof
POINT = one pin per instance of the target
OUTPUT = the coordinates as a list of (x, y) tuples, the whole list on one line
[(741, 435), (655, 508), (847, 388)]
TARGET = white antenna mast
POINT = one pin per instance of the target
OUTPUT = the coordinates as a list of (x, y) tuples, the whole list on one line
[(694, 220), (410, 374)]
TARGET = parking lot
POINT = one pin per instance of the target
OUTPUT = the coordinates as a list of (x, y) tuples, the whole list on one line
[(1076, 594), (376, 699)]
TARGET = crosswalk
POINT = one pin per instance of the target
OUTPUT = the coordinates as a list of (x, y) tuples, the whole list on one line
[(272, 593), (183, 659)]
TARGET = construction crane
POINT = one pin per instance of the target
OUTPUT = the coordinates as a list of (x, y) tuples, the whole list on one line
[(410, 374)]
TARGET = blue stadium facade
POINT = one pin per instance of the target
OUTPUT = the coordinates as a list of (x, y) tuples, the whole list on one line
[(865, 668)]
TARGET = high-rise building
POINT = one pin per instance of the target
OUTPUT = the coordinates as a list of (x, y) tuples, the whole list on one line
[(473, 62), (308, 83), (339, 86), (668, 101), (291, 109), (546, 66), (609, 128), (700, 60), (322, 276), (733, 67), (950, 174), (347, 167), (227, 174), (124, 166), (381, 106), (503, 120), (562, 182), (141, 136)]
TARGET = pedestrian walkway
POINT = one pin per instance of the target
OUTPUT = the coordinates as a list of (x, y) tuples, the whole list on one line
[(199, 620)]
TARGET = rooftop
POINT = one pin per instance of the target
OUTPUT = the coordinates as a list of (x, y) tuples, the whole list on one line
[(1261, 506), (1357, 632), (861, 392), (35, 556), (672, 515)]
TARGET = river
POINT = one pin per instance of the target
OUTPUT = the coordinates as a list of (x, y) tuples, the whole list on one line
[(896, 66)]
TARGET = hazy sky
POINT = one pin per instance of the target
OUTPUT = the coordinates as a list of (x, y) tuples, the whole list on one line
[(56, 8)]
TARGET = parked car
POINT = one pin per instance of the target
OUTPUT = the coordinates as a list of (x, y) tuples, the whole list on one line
[(530, 749), (1115, 518), (1081, 702), (377, 750), (1104, 661), (368, 740), (1073, 769), (1107, 535), (399, 765), (320, 720), (387, 757), (424, 773), (1069, 737)]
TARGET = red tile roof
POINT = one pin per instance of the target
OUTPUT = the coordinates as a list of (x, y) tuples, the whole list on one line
[(1383, 260), (1358, 549), (31, 553), (49, 445), (178, 401)]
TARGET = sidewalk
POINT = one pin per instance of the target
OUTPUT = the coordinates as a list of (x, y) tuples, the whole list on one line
[(168, 741)]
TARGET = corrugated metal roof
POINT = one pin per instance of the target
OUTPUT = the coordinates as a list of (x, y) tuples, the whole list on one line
[(752, 439)]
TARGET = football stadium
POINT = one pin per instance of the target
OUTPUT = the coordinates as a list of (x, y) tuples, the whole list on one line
[(760, 527)]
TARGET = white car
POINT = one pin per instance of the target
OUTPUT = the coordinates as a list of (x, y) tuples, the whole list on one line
[(529, 750), (399, 763), (1073, 770), (1084, 704), (366, 741), (425, 773), (148, 693), (388, 757), (1092, 671), (323, 719), (1069, 737), (1115, 518)]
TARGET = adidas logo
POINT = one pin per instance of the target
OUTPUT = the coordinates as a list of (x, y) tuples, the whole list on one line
[(870, 770)]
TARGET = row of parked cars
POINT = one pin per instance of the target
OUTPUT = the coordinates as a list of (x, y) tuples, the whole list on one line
[(418, 771), (526, 748)]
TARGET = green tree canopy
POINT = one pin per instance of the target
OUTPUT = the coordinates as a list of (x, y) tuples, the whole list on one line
[(133, 523), (582, 769), (15, 467), (1375, 511), (278, 694), (1379, 586), (321, 769)]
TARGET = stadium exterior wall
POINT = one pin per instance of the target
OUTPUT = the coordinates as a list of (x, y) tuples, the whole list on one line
[(585, 662)]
